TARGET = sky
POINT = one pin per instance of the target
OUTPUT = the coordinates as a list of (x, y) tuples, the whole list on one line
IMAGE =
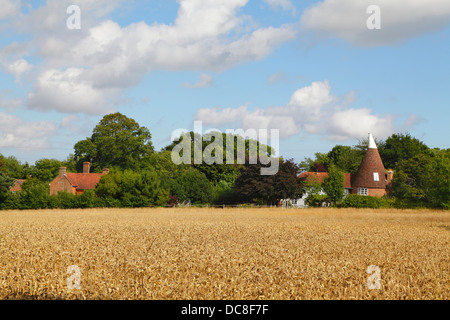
[(321, 72)]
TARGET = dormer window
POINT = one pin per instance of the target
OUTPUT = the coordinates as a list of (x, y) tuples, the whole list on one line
[(376, 176)]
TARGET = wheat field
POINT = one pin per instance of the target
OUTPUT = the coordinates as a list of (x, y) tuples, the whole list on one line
[(224, 254)]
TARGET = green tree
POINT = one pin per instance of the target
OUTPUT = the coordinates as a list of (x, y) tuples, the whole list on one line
[(2, 163), (133, 189), (437, 180), (424, 179), (5, 184), (409, 183), (318, 164), (346, 158), (116, 141), (333, 185), (400, 147), (45, 169), (15, 169), (192, 185), (35, 194)]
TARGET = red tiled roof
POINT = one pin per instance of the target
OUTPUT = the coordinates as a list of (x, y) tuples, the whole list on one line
[(17, 187), (84, 181), (320, 177), (313, 176)]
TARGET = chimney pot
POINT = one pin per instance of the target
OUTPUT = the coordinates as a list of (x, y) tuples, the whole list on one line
[(86, 167), (105, 171), (62, 171)]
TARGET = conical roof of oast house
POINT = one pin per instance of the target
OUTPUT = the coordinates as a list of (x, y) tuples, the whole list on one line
[(371, 163)]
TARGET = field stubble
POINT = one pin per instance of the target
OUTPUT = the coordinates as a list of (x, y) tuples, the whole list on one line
[(224, 254)]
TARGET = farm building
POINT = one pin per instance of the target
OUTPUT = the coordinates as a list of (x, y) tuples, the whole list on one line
[(76, 183), (17, 187), (372, 179)]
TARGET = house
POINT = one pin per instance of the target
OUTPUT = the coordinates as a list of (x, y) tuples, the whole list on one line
[(17, 187), (76, 183), (371, 178)]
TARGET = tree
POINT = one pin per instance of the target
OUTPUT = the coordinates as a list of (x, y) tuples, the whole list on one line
[(45, 169), (253, 187), (116, 141), (410, 179), (192, 185), (400, 147), (15, 169), (133, 189), (2, 163), (319, 164), (333, 185), (424, 180), (345, 158), (5, 184), (437, 180)]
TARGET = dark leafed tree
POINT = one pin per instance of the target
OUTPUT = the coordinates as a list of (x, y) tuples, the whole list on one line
[(117, 141), (251, 186)]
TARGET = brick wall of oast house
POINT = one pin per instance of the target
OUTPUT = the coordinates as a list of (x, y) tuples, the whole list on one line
[(373, 192)]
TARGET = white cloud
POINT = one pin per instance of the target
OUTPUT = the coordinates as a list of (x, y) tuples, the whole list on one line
[(10, 104), (103, 59), (205, 80), (9, 8), (218, 116), (276, 77), (311, 109), (400, 20), (284, 4), (67, 91), (69, 120), (356, 123), (17, 133), (19, 67)]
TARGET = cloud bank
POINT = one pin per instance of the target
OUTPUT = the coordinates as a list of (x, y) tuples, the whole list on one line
[(311, 109)]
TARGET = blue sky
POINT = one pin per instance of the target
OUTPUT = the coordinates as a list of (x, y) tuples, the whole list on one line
[(311, 69)]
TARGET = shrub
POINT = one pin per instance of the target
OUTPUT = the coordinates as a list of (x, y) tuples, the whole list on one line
[(316, 200), (358, 201)]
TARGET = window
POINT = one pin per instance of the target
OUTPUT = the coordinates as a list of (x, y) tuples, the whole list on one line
[(376, 176), (363, 191)]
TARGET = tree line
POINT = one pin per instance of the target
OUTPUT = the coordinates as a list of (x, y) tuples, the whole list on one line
[(140, 176)]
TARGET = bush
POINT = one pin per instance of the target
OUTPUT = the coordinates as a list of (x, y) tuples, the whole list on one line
[(316, 200), (358, 201)]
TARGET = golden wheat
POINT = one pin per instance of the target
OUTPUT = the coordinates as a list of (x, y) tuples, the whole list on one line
[(224, 254)]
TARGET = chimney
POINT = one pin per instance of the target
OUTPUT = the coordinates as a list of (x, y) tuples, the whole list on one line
[(62, 171), (105, 171), (86, 167), (390, 176)]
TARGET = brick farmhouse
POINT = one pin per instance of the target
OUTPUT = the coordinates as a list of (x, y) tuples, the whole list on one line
[(76, 183)]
